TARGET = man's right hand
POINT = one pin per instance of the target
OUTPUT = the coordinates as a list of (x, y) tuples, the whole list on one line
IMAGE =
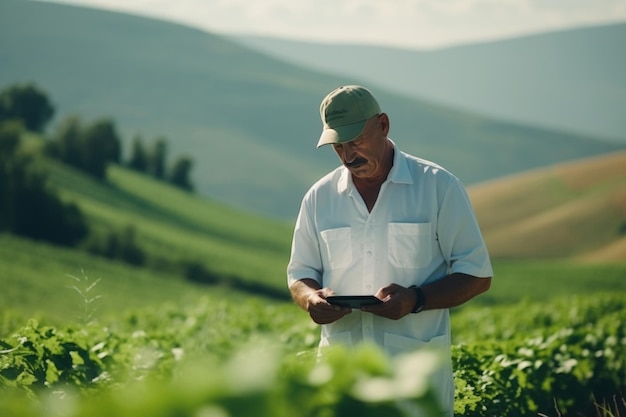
[(309, 295), (321, 311)]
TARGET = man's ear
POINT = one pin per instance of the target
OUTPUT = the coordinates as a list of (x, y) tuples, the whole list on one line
[(383, 122)]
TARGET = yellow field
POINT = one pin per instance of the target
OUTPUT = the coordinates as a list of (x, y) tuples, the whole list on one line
[(575, 210)]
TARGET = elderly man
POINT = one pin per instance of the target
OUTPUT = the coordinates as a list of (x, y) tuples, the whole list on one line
[(387, 224)]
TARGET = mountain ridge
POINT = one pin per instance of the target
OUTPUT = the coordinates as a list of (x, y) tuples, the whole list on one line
[(567, 79), (249, 121)]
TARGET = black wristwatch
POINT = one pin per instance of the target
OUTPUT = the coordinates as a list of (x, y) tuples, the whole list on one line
[(420, 301)]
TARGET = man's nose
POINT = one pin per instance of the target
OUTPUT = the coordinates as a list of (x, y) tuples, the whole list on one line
[(348, 153)]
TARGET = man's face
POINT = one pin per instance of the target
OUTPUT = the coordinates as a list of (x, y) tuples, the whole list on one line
[(365, 155)]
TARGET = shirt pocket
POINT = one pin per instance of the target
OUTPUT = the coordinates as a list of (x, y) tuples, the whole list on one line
[(409, 244), (338, 244)]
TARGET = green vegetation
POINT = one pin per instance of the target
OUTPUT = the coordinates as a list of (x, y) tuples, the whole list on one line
[(258, 358), (27, 206), (535, 357), (36, 283), (542, 280), (153, 161), (184, 238), (28, 103), (176, 229), (187, 349), (176, 305), (32, 293), (126, 216), (89, 148)]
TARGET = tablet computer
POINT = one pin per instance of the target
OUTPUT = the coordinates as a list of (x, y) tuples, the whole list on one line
[(353, 301)]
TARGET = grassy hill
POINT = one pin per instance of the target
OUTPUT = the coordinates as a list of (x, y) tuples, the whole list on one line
[(542, 229), (240, 255), (568, 79), (249, 121), (575, 210), (181, 227)]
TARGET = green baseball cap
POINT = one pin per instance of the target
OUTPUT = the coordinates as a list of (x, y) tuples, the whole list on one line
[(344, 112)]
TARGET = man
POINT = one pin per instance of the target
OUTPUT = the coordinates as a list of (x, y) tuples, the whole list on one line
[(389, 224)]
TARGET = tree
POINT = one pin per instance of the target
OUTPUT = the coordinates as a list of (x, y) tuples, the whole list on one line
[(9, 167), (27, 103), (89, 148), (158, 156), (180, 173), (66, 144), (27, 206), (101, 145), (138, 156)]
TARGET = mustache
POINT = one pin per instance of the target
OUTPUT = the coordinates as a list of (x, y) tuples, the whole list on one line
[(357, 162)]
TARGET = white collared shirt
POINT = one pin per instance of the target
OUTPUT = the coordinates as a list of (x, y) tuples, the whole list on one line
[(421, 229)]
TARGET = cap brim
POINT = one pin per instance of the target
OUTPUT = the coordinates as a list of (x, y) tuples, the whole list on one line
[(341, 134)]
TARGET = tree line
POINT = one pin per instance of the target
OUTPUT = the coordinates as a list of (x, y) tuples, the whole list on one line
[(29, 207), (90, 146)]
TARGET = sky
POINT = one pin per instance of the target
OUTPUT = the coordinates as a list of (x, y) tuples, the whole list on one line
[(415, 24)]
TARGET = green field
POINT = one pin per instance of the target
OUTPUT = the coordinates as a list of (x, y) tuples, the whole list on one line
[(547, 328), (204, 327), (36, 281), (175, 226)]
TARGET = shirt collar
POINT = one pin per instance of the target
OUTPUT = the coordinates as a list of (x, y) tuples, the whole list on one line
[(399, 172), (344, 180)]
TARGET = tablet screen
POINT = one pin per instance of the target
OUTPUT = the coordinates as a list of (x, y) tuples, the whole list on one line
[(353, 301)]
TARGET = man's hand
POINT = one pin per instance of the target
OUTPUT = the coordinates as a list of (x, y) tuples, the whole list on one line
[(308, 294), (398, 301), (321, 311), (448, 292)]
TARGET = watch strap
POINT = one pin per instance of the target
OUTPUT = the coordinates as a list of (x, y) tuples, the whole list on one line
[(420, 301)]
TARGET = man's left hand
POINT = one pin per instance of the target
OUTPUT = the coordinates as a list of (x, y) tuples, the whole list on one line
[(398, 301)]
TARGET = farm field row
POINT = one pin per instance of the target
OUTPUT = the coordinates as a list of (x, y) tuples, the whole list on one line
[(251, 357)]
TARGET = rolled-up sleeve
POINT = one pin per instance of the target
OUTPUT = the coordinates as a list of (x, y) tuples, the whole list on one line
[(460, 239), (305, 260)]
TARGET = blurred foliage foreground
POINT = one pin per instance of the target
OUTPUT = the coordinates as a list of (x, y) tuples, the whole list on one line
[(218, 359)]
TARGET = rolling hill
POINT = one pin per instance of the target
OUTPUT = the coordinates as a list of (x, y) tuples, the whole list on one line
[(192, 247), (249, 253), (568, 80), (250, 121), (566, 222), (575, 210)]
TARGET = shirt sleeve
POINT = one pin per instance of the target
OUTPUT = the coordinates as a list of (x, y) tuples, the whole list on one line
[(305, 260), (459, 235)]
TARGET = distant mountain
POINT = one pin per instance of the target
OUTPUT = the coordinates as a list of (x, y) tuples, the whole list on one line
[(572, 210), (571, 80), (249, 121)]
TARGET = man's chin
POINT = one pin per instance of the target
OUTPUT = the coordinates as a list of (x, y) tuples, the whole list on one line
[(360, 172)]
